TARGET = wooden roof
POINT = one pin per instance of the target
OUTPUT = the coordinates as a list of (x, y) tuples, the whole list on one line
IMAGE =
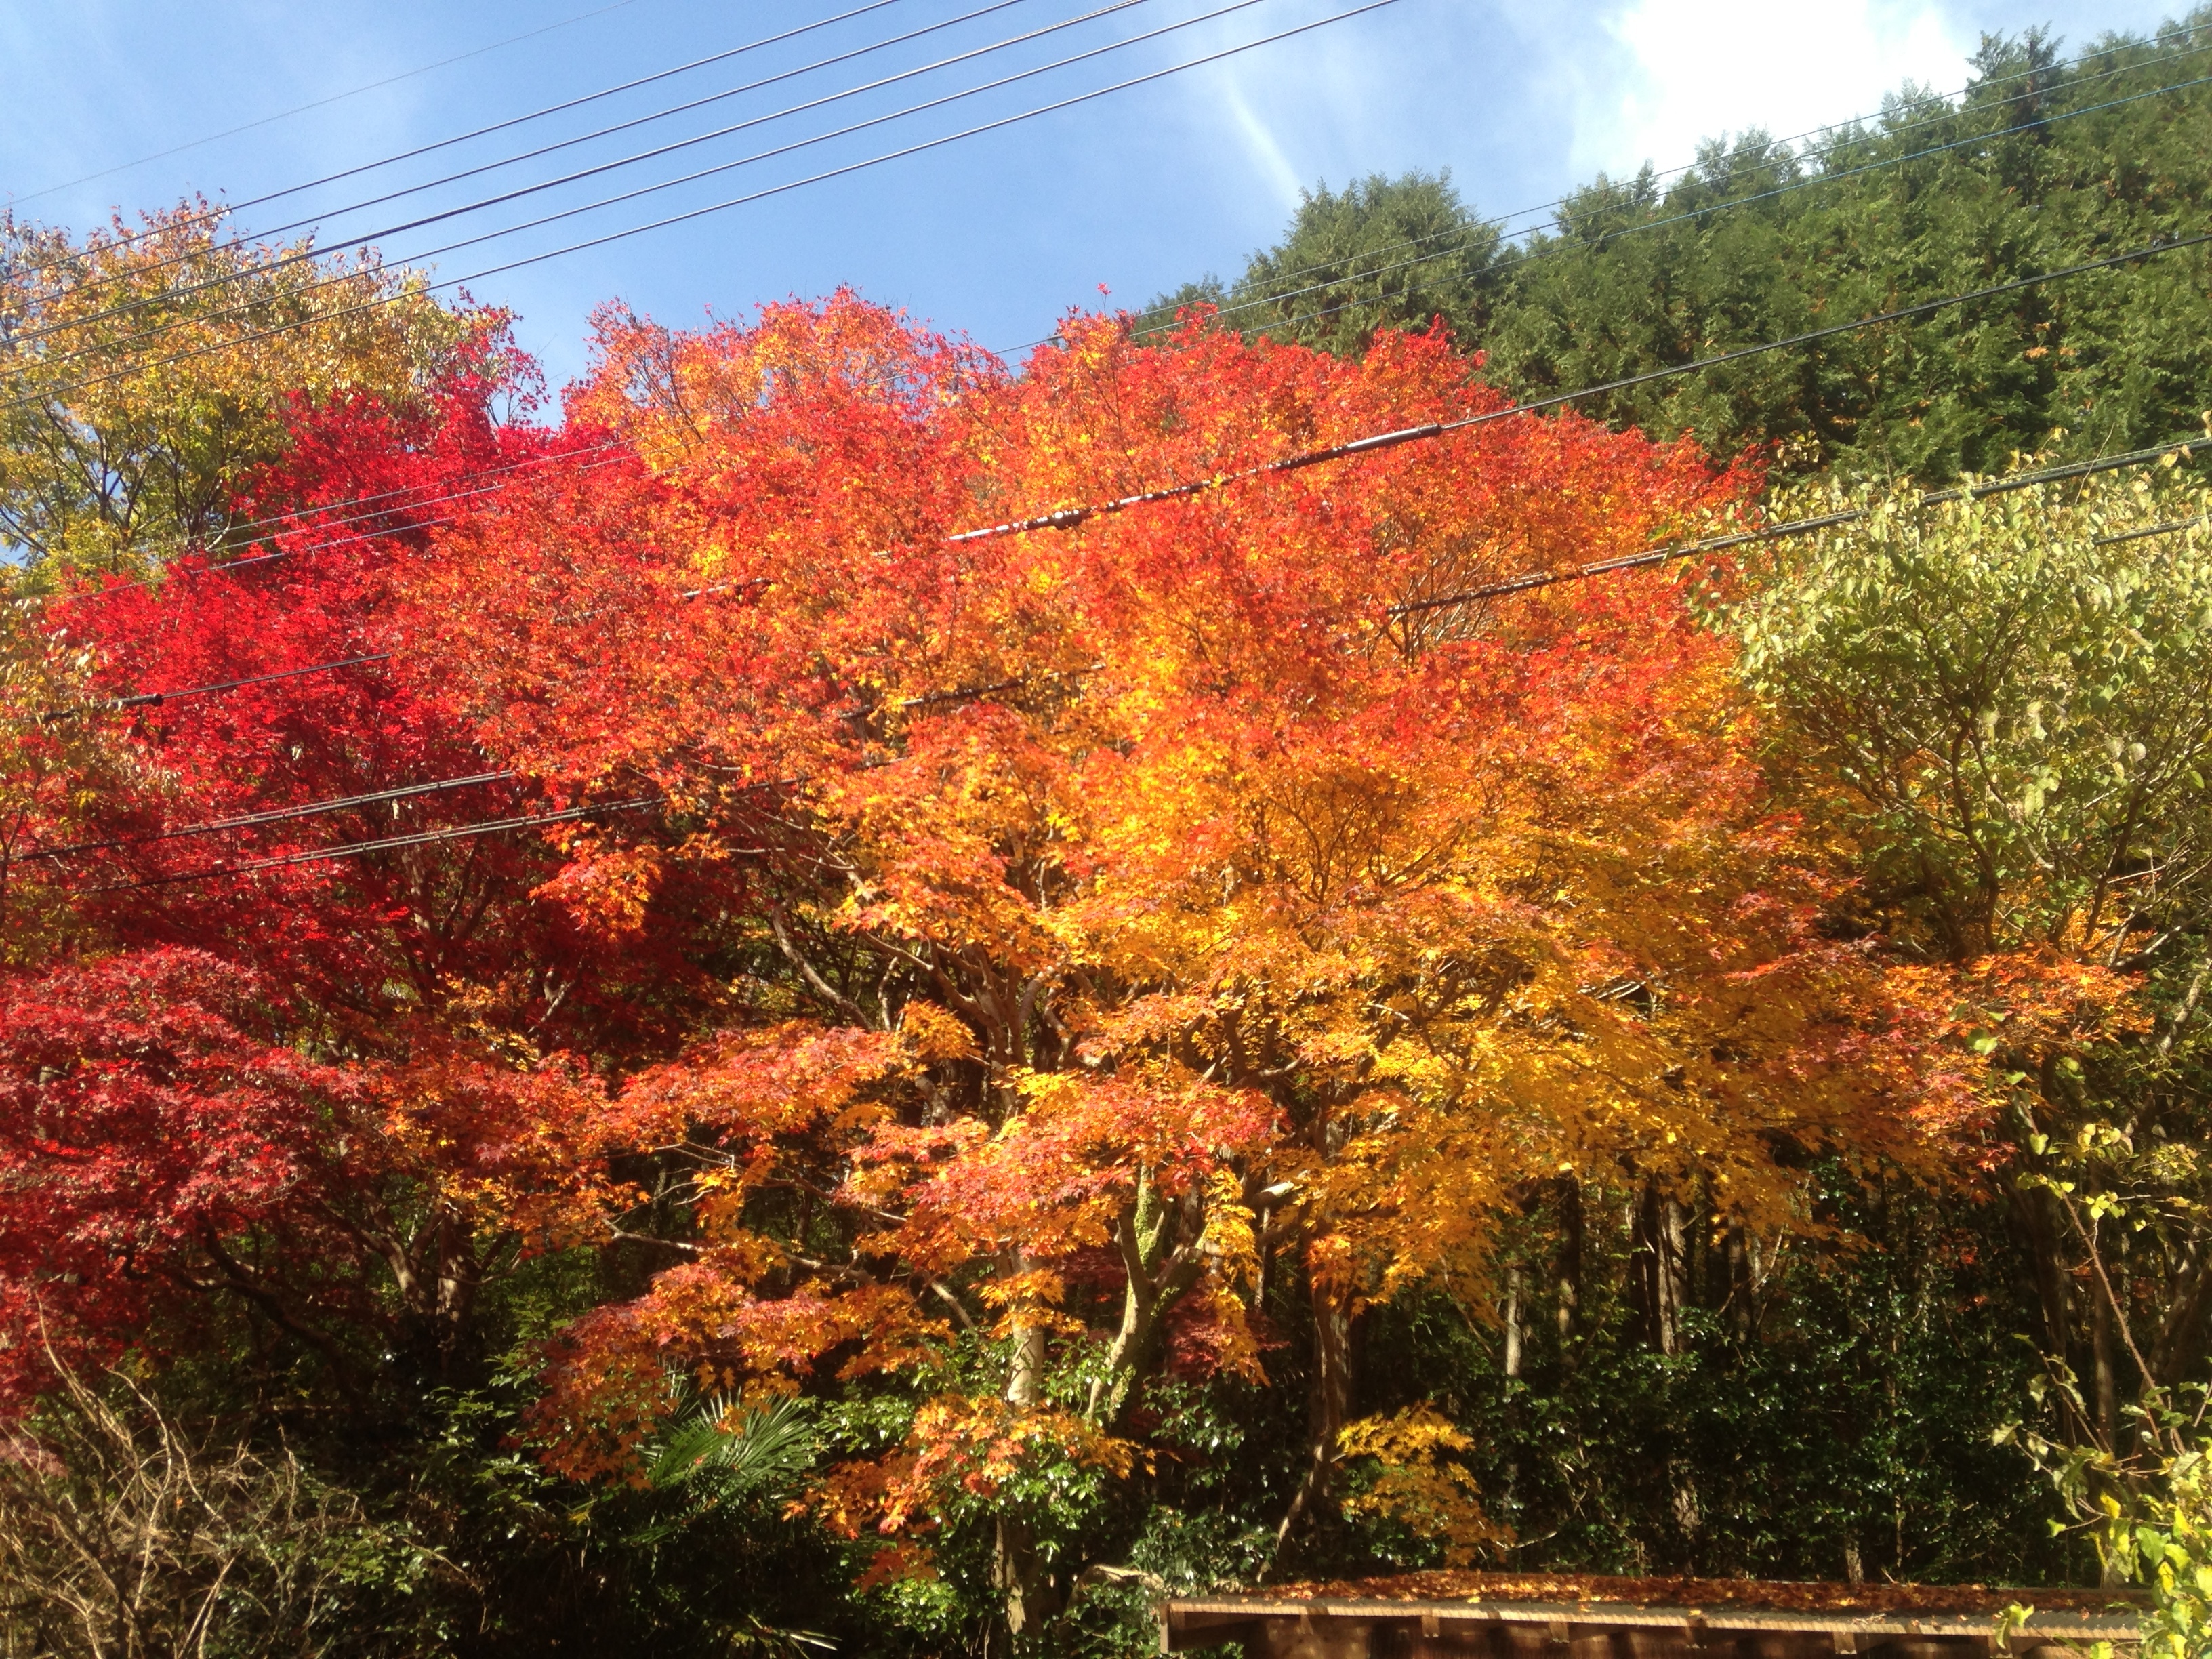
[(1474, 1615)]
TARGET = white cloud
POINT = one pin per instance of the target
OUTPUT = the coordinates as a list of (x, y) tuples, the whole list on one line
[(1699, 68), (1264, 150)]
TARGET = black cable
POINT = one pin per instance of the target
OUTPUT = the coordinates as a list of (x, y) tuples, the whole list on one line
[(1518, 585), (227, 566), (1118, 4), (109, 705), (968, 693), (2167, 528), (460, 138), (718, 207), (272, 815), (2044, 91), (653, 189), (385, 844), (1068, 518), (185, 290), (151, 699), (1539, 579), (466, 207), (393, 495)]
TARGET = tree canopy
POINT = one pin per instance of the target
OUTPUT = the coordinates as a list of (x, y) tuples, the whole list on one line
[(2044, 163), (705, 1021)]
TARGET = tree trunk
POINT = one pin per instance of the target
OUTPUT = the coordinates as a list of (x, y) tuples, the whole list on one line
[(1673, 1273), (1735, 1289), (1328, 1399), (1659, 1267), (1567, 1274), (1512, 1360), (1513, 1339), (2104, 1348), (1028, 1593), (2033, 1211), (1160, 1258)]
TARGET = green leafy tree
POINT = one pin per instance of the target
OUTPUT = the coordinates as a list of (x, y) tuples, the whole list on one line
[(2041, 164), (1380, 253), (2006, 705)]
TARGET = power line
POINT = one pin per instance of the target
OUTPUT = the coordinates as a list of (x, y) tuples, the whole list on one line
[(152, 699), (340, 524), (723, 206), (1272, 299), (1523, 584), (458, 138), (667, 184), (147, 699), (1540, 579), (384, 844), (335, 98), (2165, 529), (272, 815), (1068, 518), (186, 289), (229, 565)]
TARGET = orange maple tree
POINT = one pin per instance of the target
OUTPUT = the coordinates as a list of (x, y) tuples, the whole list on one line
[(982, 963), (1106, 914)]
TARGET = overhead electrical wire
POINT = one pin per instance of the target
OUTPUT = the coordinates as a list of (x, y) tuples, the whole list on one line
[(270, 815), (299, 256), (1066, 518), (572, 454), (457, 138), (664, 184), (1523, 258), (2169, 527), (738, 201), (1529, 582), (1247, 305), (335, 98), (1070, 517), (310, 512), (155, 699), (1412, 606), (383, 844), (2043, 90), (609, 454)]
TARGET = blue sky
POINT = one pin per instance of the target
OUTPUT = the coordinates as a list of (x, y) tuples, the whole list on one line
[(995, 236)]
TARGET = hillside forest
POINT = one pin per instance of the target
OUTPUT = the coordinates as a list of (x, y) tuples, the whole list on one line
[(694, 1015)]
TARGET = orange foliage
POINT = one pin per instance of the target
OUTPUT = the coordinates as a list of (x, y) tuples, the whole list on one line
[(1158, 893)]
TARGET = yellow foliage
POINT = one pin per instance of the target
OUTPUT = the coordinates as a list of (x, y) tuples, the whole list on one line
[(154, 371), (1418, 1486)]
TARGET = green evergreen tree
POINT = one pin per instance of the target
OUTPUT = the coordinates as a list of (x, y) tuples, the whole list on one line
[(2041, 164), (1380, 253)]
